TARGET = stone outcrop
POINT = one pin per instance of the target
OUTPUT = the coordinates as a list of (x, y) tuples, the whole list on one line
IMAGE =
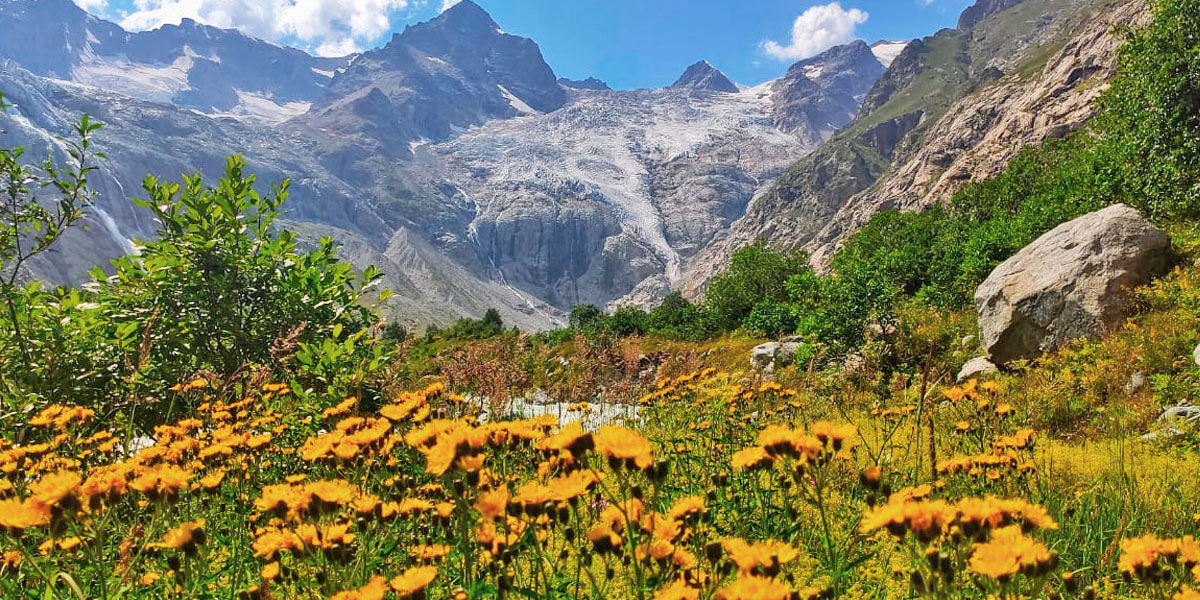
[(773, 355), (1070, 283), (976, 367)]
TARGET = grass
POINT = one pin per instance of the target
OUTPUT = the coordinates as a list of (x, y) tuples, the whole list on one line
[(729, 485)]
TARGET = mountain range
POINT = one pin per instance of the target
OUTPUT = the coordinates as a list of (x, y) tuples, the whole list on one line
[(455, 159)]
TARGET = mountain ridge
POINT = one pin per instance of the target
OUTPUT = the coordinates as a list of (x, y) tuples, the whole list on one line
[(454, 157), (951, 108)]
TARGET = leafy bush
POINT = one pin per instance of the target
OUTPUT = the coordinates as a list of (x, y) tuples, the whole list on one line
[(676, 318), (220, 293), (489, 325), (755, 273)]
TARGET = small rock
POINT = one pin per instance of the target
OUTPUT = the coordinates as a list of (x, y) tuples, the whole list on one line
[(1135, 384), (762, 357), (767, 357), (976, 367), (854, 363), (968, 341), (1170, 420), (1196, 355), (875, 330), (1183, 412)]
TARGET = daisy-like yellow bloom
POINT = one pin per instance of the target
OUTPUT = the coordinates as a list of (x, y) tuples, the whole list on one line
[(271, 542), (16, 515), (751, 458), (571, 438), (925, 518), (343, 407), (604, 538), (1186, 593), (839, 436), (678, 590), (1019, 440), (413, 581), (625, 445), (991, 512), (491, 504), (429, 552), (375, 589), (212, 480), (160, 479), (686, 506), (750, 556), (55, 487), (1139, 555), (185, 537), (336, 491), (750, 587), (270, 572), (1008, 552)]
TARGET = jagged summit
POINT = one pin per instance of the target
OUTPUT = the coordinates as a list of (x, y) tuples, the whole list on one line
[(982, 9), (704, 76), (466, 16), (591, 83)]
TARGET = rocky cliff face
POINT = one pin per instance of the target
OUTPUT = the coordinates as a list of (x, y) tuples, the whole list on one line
[(952, 108)]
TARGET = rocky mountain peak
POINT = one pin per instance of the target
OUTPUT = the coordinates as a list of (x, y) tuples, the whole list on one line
[(704, 76), (981, 10), (591, 83), (467, 13), (850, 66), (48, 37)]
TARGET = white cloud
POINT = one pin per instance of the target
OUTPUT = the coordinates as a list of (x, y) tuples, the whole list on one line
[(329, 27), (93, 6), (817, 29), (446, 4)]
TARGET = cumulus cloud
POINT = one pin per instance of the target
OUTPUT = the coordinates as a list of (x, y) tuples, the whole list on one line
[(446, 4), (328, 27), (93, 6), (816, 30)]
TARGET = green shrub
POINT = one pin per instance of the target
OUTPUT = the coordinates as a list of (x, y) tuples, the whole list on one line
[(221, 292), (677, 319), (755, 273)]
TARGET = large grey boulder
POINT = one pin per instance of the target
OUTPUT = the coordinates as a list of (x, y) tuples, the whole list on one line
[(1070, 283)]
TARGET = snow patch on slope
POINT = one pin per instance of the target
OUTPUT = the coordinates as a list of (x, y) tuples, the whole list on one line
[(516, 102), (145, 82), (886, 52)]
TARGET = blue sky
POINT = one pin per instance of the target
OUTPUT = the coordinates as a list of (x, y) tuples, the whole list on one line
[(627, 43)]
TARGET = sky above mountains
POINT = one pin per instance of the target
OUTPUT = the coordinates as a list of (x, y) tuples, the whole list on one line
[(627, 43)]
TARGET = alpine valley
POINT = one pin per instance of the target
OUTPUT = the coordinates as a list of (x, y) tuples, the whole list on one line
[(456, 160)]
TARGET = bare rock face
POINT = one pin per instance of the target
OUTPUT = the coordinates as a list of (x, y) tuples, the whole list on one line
[(1068, 284)]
